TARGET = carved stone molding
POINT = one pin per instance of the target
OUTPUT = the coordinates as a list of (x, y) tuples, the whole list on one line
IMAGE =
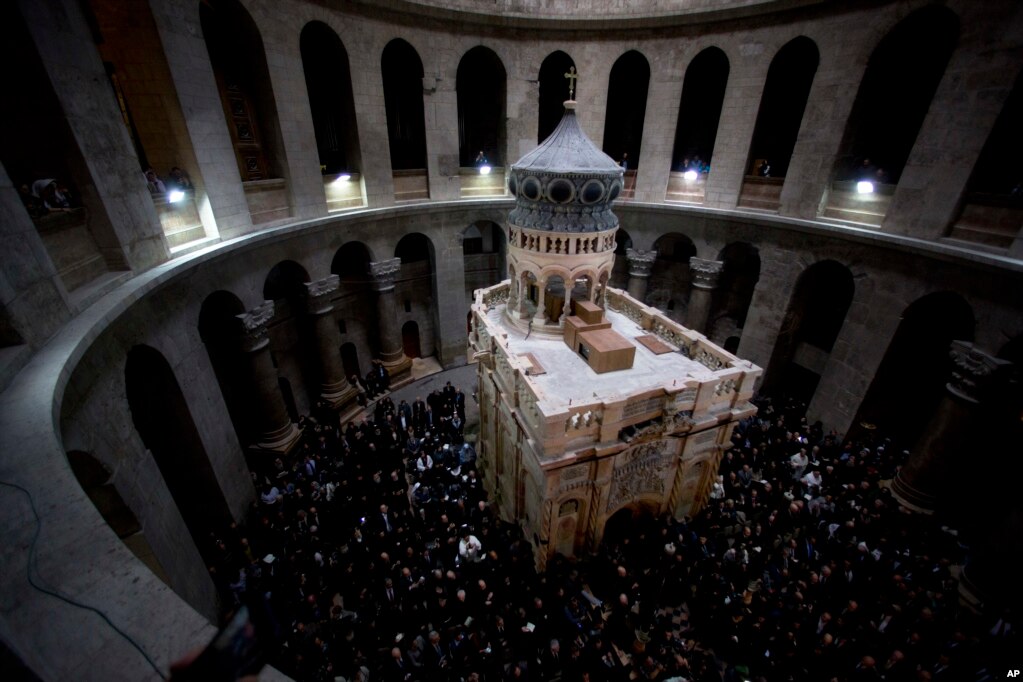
[(254, 331), (318, 294), (385, 271), (705, 273), (640, 262), (974, 372)]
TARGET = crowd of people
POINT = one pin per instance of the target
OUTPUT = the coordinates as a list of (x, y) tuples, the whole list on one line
[(375, 552)]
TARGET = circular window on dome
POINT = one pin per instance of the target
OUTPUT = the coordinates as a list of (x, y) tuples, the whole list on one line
[(560, 191), (592, 191), (531, 188), (513, 185), (616, 189)]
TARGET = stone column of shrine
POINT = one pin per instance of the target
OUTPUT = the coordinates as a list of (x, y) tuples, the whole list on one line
[(944, 445), (540, 316), (272, 427), (641, 263), (392, 356), (334, 386), (704, 279)]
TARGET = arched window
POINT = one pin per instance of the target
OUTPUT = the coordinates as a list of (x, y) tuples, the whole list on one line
[(481, 87), (553, 92), (626, 108), (403, 99), (328, 80)]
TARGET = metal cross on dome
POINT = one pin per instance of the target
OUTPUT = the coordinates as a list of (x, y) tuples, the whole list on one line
[(571, 76)]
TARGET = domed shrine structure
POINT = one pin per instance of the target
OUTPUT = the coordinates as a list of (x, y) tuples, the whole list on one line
[(593, 405)]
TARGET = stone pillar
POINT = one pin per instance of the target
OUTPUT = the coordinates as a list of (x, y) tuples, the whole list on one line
[(540, 316), (640, 265), (391, 353), (273, 428), (704, 278), (334, 386), (921, 482)]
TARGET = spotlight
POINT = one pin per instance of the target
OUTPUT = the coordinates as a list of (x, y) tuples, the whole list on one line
[(175, 196), (689, 175), (484, 170), (864, 187), (344, 177)]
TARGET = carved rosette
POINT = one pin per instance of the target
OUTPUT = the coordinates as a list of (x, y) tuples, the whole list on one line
[(705, 273), (974, 372), (254, 331), (318, 294), (641, 263), (384, 272)]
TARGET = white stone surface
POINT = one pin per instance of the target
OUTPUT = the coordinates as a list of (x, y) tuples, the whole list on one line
[(569, 379)]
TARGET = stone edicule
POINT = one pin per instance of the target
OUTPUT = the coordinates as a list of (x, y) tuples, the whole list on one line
[(579, 420)]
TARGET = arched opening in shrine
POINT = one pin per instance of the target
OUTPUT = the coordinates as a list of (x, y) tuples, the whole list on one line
[(620, 270), (221, 333), (356, 301), (410, 343), (402, 71), (739, 276), (290, 347)]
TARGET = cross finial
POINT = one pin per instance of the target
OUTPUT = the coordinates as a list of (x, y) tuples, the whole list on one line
[(571, 76)]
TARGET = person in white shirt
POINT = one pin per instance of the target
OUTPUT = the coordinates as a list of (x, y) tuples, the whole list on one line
[(470, 548)]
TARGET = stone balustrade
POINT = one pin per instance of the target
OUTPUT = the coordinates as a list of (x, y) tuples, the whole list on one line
[(561, 243)]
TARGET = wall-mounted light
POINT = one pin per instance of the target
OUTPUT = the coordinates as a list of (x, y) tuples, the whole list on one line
[(690, 175), (864, 187), (175, 195), (344, 177), (484, 170)]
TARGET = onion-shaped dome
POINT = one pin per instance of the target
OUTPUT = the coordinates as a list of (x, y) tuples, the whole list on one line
[(567, 184)]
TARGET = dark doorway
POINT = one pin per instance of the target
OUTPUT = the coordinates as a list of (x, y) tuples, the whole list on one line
[(699, 111), (627, 89), (403, 100), (410, 340), (553, 92), (480, 83), (625, 531), (350, 359)]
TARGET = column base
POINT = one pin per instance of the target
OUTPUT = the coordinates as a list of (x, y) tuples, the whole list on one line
[(911, 498), (970, 594), (339, 395), (399, 369), (280, 441)]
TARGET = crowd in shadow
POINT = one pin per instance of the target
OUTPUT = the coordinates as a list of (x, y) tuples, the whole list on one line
[(374, 552)]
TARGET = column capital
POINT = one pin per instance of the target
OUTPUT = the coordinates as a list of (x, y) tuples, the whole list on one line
[(254, 332), (974, 372), (640, 262), (385, 271), (318, 294), (705, 273)]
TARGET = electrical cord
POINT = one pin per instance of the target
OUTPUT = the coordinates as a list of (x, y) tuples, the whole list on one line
[(32, 560)]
